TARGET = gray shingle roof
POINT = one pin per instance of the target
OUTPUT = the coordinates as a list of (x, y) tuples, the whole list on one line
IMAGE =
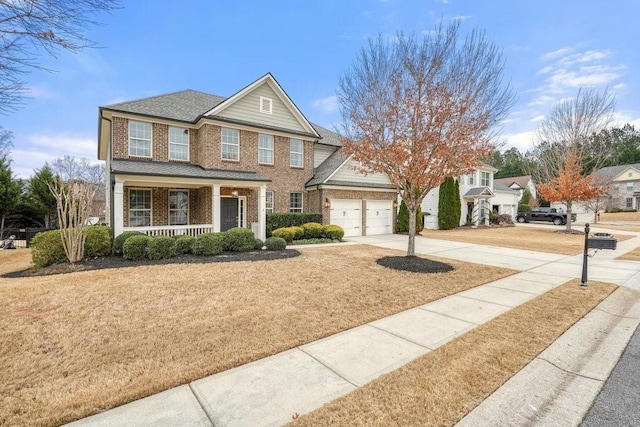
[(185, 105), (185, 170), (328, 137), (326, 168), (478, 191), (498, 186), (522, 181), (613, 171)]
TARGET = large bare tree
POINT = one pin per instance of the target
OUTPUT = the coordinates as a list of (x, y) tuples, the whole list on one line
[(563, 146), (421, 109), (74, 187), (28, 27)]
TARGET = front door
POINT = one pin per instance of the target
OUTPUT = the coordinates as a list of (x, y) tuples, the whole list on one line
[(229, 213)]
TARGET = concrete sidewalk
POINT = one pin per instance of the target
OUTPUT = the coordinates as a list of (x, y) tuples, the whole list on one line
[(272, 391)]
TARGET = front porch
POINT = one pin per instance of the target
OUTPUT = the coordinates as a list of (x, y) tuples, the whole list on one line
[(183, 206)]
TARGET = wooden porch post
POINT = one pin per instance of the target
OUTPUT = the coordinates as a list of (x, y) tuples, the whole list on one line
[(262, 213), (118, 207), (215, 207)]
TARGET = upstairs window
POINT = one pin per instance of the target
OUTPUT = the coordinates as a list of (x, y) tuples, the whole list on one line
[(296, 153), (266, 105), (139, 139), (629, 186), (230, 144), (485, 179), (178, 143), (269, 201), (265, 149), (472, 179), (295, 202)]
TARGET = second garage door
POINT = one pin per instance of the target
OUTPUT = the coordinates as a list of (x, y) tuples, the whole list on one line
[(379, 217), (348, 215)]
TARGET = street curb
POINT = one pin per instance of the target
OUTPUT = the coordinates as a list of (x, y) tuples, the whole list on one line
[(559, 386)]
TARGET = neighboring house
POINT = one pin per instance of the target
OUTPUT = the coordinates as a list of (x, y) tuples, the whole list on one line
[(520, 183), (624, 185), (189, 162), (479, 194)]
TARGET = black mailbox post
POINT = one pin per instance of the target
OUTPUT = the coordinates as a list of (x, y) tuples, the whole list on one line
[(598, 241)]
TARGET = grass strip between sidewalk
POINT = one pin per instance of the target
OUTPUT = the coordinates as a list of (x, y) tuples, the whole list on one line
[(441, 387)]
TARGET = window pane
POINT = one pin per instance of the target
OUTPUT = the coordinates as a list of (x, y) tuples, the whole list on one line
[(178, 143), (296, 150), (265, 149), (139, 218), (295, 202), (178, 208), (230, 144), (139, 139), (269, 201)]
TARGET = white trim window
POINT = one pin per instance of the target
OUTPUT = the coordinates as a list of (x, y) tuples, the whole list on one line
[(485, 179), (629, 203), (265, 149), (139, 208), (296, 149), (295, 202), (629, 186), (139, 139), (178, 143), (230, 145), (266, 105), (472, 179), (178, 207), (268, 203)]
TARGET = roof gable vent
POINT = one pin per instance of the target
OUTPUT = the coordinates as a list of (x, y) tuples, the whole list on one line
[(266, 105)]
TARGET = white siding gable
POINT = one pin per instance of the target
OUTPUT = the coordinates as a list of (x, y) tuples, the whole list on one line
[(248, 107), (320, 153), (348, 172), (630, 174)]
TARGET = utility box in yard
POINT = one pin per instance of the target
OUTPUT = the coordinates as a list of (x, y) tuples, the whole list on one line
[(602, 242)]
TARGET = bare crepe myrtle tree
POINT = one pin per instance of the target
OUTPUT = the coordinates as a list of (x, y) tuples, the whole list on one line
[(562, 147), (74, 188), (421, 109), (28, 27)]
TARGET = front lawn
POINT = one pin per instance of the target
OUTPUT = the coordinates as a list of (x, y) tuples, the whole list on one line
[(74, 344), (529, 238)]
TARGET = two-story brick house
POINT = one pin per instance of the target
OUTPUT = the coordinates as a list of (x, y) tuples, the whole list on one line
[(189, 162)]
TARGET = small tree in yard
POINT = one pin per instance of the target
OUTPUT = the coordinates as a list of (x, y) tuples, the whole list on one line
[(447, 218), (564, 137), (420, 110), (74, 188)]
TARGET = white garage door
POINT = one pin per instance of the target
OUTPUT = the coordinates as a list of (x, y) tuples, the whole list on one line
[(348, 215), (379, 217)]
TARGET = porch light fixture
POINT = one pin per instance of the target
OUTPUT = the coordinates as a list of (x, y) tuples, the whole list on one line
[(327, 203), (234, 193)]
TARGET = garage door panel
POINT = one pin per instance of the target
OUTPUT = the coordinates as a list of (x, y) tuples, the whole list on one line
[(348, 215), (379, 217)]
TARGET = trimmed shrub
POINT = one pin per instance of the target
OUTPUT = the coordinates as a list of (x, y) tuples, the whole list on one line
[(184, 244), (333, 231), (208, 244), (259, 244), (135, 247), (282, 220), (47, 249), (275, 243), (161, 247), (98, 242), (286, 233), (502, 219), (238, 239), (118, 242), (312, 230), (298, 232)]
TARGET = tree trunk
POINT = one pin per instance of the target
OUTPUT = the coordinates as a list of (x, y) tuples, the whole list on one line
[(568, 228), (411, 249)]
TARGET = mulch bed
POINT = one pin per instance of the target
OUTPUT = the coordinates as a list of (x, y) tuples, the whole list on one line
[(119, 262), (414, 264)]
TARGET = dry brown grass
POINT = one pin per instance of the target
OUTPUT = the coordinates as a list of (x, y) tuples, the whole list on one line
[(444, 385), (74, 344), (620, 216), (528, 238)]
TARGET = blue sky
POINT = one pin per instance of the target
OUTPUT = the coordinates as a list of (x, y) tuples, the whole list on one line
[(551, 47)]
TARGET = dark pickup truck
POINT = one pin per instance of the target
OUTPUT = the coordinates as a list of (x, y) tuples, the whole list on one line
[(546, 215)]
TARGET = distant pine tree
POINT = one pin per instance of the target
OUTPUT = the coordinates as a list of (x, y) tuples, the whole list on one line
[(448, 202)]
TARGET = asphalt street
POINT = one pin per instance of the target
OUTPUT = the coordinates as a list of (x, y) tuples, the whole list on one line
[(618, 403)]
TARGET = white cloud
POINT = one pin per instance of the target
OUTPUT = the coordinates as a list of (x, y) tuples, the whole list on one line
[(623, 117), (460, 17), (619, 86), (327, 105), (554, 54), (523, 141), (538, 118)]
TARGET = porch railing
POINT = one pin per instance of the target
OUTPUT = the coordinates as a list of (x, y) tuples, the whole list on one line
[(173, 230)]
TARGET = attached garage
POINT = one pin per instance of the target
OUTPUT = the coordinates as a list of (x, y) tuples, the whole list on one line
[(348, 215), (379, 217)]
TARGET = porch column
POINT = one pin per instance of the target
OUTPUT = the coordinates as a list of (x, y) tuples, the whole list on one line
[(262, 213), (118, 207), (215, 207)]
